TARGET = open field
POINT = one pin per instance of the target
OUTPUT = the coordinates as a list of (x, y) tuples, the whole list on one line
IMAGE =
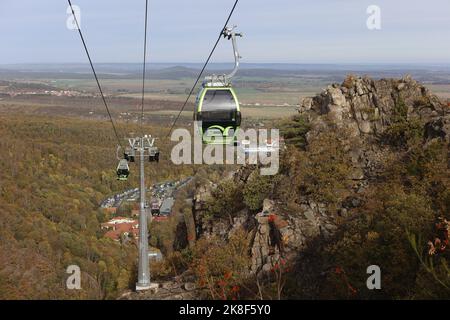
[(126, 110), (265, 93), (252, 113), (254, 91), (441, 90)]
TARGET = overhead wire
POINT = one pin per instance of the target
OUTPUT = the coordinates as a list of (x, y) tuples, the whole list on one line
[(95, 74), (144, 67)]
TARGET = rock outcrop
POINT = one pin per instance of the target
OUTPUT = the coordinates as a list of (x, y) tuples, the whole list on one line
[(294, 229), (365, 106)]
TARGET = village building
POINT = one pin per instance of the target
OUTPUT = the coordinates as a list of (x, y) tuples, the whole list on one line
[(120, 227)]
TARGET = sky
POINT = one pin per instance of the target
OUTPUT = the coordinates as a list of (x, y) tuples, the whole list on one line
[(275, 31)]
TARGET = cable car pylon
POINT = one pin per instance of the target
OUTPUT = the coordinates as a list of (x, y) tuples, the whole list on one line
[(143, 147)]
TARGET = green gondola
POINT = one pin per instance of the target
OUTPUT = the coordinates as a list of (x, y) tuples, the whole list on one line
[(123, 170), (217, 111), (218, 115), (153, 154)]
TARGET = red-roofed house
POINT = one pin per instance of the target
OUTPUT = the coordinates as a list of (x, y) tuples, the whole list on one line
[(119, 227)]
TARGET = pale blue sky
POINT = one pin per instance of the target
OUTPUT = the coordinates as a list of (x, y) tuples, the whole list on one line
[(276, 31)]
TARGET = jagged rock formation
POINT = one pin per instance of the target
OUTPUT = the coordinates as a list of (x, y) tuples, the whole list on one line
[(294, 229), (365, 106)]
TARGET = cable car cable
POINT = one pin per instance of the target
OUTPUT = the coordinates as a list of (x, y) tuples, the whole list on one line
[(144, 66), (203, 69), (95, 74)]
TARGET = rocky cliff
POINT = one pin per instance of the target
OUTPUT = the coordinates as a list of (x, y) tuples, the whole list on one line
[(365, 109), (366, 106)]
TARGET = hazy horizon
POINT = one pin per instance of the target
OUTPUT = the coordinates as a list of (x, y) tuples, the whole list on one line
[(243, 65), (320, 32)]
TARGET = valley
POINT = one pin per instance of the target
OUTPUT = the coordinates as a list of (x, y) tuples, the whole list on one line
[(364, 176)]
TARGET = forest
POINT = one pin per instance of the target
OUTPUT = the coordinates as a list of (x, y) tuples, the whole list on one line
[(55, 172)]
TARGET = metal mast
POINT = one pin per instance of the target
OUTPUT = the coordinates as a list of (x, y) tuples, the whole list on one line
[(145, 149), (144, 272)]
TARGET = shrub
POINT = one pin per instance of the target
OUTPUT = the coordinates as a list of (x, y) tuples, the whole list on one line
[(226, 200), (403, 131), (222, 266), (378, 236), (256, 190), (294, 131), (322, 171)]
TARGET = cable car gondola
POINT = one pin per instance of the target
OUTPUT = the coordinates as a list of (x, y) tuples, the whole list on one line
[(129, 154), (153, 154), (217, 107), (123, 170)]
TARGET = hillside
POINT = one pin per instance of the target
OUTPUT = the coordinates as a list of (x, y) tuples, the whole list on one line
[(55, 172)]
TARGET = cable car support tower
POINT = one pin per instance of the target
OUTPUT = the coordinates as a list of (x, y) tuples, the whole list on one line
[(143, 147)]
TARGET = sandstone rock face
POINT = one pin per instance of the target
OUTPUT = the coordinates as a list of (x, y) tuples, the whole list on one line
[(309, 222), (364, 108), (219, 227)]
